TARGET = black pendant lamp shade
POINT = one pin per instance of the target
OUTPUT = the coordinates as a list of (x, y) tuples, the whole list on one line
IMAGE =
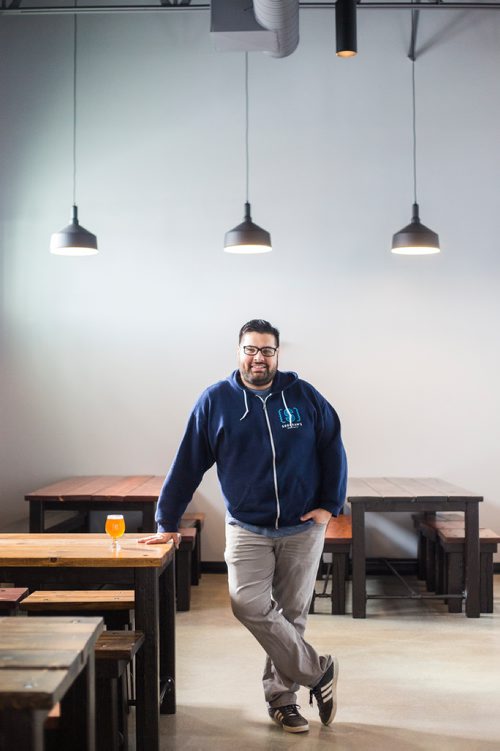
[(73, 240), (247, 237), (415, 239), (345, 28)]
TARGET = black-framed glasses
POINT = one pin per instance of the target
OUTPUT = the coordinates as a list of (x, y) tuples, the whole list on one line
[(266, 351)]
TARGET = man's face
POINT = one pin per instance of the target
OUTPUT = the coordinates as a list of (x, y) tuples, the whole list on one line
[(257, 371)]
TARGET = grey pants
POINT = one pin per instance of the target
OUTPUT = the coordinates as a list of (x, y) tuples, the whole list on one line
[(271, 583)]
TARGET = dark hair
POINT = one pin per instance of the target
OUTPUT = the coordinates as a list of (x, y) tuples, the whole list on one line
[(261, 327)]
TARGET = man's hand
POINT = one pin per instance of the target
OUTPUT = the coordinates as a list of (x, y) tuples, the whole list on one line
[(318, 515), (160, 538)]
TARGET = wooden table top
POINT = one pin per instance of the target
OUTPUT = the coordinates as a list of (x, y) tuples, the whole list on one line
[(80, 550), (64, 636), (406, 488), (109, 488), (40, 657)]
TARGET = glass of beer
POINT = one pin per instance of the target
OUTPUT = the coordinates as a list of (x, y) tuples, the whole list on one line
[(115, 527)]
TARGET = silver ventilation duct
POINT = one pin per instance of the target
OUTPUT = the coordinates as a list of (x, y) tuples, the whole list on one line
[(282, 17), (270, 26)]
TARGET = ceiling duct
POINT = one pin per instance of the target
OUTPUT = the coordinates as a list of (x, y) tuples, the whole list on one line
[(281, 16), (234, 28), (270, 26)]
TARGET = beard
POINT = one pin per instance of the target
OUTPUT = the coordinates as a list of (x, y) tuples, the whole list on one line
[(258, 378)]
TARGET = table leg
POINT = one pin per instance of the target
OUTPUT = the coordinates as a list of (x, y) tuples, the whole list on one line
[(472, 559), (183, 577), (147, 661), (22, 729), (167, 638), (339, 574), (358, 561), (37, 516), (77, 725), (196, 564)]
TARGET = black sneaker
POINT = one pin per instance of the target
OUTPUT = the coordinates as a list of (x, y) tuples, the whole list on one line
[(289, 718), (325, 693)]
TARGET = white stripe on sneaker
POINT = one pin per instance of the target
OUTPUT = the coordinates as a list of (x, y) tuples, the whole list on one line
[(327, 691)]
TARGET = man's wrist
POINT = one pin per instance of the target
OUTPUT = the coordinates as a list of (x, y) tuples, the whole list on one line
[(171, 531)]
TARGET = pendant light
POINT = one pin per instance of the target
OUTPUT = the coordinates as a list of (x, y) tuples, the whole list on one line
[(247, 237), (345, 28), (74, 240), (415, 239)]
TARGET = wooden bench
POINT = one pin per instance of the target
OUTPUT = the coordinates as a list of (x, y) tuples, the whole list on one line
[(428, 550), (441, 558), (114, 652), (338, 539), (183, 561), (10, 597), (195, 519), (116, 607), (451, 569)]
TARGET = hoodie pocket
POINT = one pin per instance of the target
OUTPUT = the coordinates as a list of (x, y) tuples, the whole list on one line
[(252, 498)]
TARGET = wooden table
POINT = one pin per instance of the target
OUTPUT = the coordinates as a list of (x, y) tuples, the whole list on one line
[(49, 561), (44, 661), (110, 493), (413, 495)]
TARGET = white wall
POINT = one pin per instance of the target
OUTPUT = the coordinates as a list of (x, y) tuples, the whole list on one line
[(102, 358)]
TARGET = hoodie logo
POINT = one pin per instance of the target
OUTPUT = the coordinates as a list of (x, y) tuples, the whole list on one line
[(290, 418)]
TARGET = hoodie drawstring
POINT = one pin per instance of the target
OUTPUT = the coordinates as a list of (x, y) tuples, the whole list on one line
[(286, 407), (246, 406)]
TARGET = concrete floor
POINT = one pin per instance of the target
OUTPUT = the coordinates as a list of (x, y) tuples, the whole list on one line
[(412, 677)]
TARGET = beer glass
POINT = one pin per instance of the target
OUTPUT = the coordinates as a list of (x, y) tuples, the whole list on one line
[(115, 527)]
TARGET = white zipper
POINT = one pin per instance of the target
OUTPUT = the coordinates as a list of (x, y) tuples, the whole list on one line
[(275, 476)]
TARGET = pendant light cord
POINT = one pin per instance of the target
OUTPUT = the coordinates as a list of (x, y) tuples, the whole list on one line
[(414, 133), (247, 160), (75, 29)]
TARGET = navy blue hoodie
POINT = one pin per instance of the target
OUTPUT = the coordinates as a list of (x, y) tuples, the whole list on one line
[(277, 457)]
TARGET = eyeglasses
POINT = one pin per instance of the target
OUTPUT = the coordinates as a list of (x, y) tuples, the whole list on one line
[(266, 351)]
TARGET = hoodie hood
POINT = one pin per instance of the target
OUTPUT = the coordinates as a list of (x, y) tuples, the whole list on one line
[(281, 382)]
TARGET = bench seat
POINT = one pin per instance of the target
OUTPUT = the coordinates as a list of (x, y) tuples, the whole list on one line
[(338, 540), (441, 558), (115, 606), (114, 652), (10, 597), (451, 566)]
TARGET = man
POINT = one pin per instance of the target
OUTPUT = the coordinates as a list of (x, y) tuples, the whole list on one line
[(282, 469)]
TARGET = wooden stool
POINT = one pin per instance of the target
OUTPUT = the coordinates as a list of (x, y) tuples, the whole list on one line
[(10, 597), (338, 539)]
